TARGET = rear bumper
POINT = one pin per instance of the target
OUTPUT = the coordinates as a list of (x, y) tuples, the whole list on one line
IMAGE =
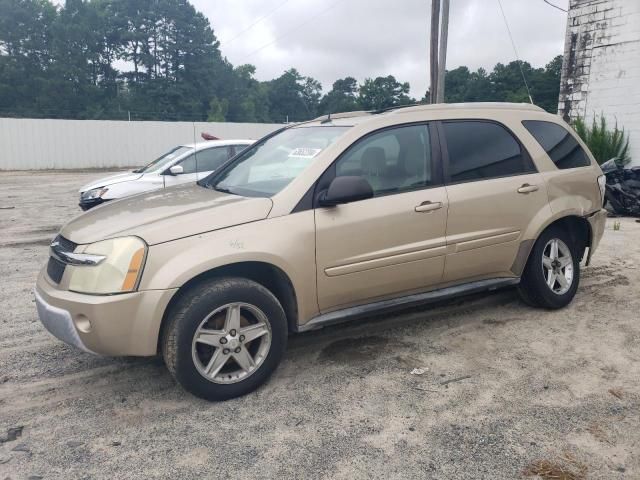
[(597, 220), (118, 325)]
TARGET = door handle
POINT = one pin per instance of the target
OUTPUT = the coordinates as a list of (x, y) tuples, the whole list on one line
[(526, 188), (428, 206)]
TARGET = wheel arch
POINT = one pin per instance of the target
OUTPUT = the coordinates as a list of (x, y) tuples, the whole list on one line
[(576, 226), (266, 274)]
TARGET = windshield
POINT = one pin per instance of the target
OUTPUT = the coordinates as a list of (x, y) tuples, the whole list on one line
[(266, 168), (162, 162)]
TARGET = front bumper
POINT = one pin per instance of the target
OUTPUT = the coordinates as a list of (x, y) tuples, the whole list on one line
[(119, 325), (597, 220), (59, 323), (87, 204)]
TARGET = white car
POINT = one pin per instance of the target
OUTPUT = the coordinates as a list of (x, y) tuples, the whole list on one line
[(183, 164)]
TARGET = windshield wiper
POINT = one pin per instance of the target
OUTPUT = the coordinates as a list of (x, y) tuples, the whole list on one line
[(223, 190)]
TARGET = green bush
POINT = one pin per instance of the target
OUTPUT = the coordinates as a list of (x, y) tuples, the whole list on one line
[(603, 142)]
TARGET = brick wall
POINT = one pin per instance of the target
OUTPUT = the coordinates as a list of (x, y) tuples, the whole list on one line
[(601, 68)]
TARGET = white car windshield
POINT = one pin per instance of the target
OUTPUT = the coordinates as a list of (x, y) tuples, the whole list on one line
[(267, 167), (165, 160)]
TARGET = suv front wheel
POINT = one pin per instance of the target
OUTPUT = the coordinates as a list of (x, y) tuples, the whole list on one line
[(552, 274), (224, 338)]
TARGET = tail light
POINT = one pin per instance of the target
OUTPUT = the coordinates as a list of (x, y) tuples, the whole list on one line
[(602, 181)]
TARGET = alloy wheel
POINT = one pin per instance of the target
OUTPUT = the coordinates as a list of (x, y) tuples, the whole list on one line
[(557, 266), (231, 343)]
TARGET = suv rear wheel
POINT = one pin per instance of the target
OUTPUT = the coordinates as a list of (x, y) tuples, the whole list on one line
[(552, 274), (224, 338)]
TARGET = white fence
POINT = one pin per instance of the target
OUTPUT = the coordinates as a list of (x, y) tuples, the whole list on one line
[(30, 144)]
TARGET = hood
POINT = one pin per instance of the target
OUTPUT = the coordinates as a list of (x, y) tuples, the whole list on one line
[(165, 215), (111, 179)]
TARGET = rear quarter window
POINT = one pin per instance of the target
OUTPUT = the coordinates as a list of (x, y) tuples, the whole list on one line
[(563, 149)]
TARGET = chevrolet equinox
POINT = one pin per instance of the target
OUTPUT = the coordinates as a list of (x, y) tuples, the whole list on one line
[(338, 218)]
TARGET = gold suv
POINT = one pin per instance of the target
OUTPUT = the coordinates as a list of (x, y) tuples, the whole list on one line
[(339, 218)]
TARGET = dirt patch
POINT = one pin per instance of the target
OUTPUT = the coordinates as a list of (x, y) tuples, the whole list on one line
[(498, 321), (344, 403), (598, 433), (50, 230), (358, 349), (27, 243), (616, 392), (564, 468)]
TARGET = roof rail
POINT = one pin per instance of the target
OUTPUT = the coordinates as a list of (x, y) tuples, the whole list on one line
[(472, 105), (358, 113), (396, 107), (426, 106)]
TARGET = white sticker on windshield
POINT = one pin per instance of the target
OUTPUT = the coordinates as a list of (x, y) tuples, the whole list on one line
[(305, 152)]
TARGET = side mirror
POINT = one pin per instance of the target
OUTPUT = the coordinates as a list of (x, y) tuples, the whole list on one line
[(345, 190), (176, 170)]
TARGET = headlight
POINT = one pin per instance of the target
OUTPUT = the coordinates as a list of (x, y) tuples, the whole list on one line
[(118, 271), (94, 193)]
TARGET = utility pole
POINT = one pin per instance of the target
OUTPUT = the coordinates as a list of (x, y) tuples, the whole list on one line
[(433, 50), (442, 65)]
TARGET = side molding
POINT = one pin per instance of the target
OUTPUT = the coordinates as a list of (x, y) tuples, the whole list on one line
[(385, 306)]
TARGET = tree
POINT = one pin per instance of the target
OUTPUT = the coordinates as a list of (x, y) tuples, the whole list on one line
[(217, 110), (342, 97), (248, 98), (180, 67), (293, 97), (65, 62), (505, 84), (546, 85), (311, 93), (383, 92), (25, 56), (83, 78)]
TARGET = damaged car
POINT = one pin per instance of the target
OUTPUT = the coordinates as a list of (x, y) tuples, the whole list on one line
[(622, 194), (335, 219)]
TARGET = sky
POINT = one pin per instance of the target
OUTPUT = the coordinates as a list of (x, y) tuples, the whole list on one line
[(331, 39)]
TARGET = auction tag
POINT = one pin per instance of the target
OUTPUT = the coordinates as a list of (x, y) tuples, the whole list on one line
[(305, 152)]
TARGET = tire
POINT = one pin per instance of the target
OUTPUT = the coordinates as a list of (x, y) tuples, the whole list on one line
[(534, 287), (220, 311)]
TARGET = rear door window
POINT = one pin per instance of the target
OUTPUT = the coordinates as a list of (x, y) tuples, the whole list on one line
[(480, 150), (560, 145)]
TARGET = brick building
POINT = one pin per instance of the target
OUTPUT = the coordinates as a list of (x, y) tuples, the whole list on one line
[(601, 67)]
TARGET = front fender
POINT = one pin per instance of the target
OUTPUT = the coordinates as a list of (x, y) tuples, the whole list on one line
[(286, 242)]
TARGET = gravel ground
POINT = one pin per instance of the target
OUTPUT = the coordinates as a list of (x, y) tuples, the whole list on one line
[(506, 390)]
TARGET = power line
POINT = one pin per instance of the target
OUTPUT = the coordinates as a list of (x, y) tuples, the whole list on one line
[(298, 27), (555, 6), (264, 17), (515, 50)]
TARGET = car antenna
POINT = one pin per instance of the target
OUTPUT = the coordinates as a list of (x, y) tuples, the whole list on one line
[(326, 120)]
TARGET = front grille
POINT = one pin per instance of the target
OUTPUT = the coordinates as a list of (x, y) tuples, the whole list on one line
[(55, 269), (65, 245)]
